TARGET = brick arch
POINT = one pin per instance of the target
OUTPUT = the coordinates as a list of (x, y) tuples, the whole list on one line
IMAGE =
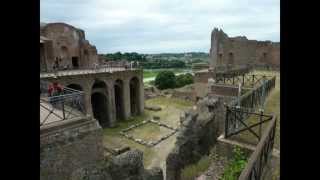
[(99, 102)]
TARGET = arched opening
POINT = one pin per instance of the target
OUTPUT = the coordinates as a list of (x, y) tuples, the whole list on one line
[(118, 93), (64, 52), (134, 96), (99, 103), (230, 59), (99, 108), (75, 86), (220, 58)]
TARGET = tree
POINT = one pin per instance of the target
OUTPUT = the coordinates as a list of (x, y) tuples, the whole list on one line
[(165, 80), (184, 79)]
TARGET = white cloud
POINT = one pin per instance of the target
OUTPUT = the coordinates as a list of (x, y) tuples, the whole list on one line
[(164, 25)]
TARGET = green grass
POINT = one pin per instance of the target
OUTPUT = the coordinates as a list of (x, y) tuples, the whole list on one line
[(148, 74), (235, 166), (171, 109), (150, 132), (192, 171)]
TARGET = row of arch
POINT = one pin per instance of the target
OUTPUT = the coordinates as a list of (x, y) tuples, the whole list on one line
[(102, 100)]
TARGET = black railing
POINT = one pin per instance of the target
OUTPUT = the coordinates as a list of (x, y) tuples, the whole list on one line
[(262, 154), (236, 121), (256, 97), (66, 104), (246, 80)]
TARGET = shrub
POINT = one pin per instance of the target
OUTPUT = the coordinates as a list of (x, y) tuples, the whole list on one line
[(237, 164), (184, 79), (165, 80)]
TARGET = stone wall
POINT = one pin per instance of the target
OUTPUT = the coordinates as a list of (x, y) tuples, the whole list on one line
[(68, 146), (239, 50), (73, 150), (68, 43), (198, 133)]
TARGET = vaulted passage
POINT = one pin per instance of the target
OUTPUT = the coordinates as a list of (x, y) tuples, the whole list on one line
[(99, 108), (119, 101), (134, 96), (99, 102)]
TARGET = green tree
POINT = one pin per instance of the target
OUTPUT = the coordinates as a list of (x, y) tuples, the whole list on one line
[(184, 79), (165, 80)]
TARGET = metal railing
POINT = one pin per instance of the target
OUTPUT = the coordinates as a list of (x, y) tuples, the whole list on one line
[(67, 104), (236, 123), (262, 154), (104, 68), (256, 96), (246, 80)]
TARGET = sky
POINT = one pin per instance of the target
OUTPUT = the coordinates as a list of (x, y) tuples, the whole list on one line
[(164, 26)]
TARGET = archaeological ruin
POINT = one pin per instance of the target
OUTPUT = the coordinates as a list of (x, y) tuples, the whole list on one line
[(87, 107)]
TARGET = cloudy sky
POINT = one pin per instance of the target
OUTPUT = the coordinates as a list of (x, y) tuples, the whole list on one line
[(154, 26)]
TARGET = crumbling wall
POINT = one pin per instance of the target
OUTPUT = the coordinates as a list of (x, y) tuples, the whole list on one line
[(237, 51), (198, 133)]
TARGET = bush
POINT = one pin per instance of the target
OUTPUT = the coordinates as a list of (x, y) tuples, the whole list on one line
[(165, 80), (237, 164), (184, 79)]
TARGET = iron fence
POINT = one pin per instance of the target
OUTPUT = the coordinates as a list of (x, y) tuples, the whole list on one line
[(66, 104), (262, 154), (246, 80), (256, 97), (236, 123)]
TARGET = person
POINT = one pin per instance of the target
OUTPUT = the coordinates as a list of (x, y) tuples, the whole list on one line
[(54, 89)]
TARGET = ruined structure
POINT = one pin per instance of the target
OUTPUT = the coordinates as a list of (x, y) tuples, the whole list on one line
[(111, 92), (67, 45), (237, 51)]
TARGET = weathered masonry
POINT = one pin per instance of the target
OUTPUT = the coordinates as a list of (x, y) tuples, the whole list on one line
[(108, 96), (237, 51), (66, 45), (111, 92)]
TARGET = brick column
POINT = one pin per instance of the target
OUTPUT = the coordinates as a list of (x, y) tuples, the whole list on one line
[(87, 101), (126, 99), (111, 103), (141, 95)]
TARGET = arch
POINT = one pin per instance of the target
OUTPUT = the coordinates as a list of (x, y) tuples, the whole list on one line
[(119, 100), (64, 52), (75, 86), (99, 84), (100, 108), (99, 102), (134, 96)]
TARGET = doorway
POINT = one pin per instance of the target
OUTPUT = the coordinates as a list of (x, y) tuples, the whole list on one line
[(75, 62)]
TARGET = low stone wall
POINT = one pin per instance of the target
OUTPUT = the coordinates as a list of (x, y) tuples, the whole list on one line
[(189, 96), (126, 166), (198, 133), (73, 150), (148, 143), (69, 146)]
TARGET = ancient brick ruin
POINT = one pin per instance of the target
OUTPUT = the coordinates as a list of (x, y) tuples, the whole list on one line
[(239, 51)]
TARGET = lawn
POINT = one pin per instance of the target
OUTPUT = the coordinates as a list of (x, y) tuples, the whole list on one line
[(154, 156)]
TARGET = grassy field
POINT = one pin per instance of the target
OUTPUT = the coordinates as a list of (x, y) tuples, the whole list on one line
[(155, 156)]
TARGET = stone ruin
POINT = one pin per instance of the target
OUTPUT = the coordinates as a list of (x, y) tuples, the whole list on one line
[(198, 133)]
